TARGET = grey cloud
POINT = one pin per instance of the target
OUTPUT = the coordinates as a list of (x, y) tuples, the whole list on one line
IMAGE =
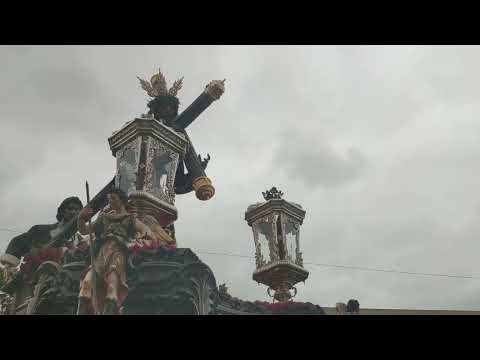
[(316, 163)]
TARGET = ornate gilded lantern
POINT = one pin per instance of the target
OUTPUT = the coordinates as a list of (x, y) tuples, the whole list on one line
[(276, 232)]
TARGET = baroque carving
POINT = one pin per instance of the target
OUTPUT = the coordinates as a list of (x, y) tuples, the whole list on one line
[(54, 284), (133, 129), (163, 281), (229, 302)]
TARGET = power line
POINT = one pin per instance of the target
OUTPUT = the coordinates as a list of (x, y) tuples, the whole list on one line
[(361, 268), (330, 266)]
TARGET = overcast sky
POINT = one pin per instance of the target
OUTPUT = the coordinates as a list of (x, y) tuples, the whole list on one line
[(380, 145)]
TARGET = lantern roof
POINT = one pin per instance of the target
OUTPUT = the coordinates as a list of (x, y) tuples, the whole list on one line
[(274, 202)]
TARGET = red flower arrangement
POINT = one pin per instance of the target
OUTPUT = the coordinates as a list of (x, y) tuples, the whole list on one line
[(138, 248)]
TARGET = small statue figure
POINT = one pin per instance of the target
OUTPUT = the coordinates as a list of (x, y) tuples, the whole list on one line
[(106, 289), (39, 236)]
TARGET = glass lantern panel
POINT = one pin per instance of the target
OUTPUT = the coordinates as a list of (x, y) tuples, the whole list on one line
[(162, 168), (127, 170), (291, 232), (266, 239)]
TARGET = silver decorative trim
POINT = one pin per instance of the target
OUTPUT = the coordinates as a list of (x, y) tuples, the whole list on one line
[(138, 194), (259, 211), (149, 127), (279, 262)]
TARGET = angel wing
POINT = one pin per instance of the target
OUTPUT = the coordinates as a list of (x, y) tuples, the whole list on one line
[(177, 85), (147, 87)]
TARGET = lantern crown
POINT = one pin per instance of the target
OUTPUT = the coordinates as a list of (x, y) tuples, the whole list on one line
[(273, 193), (276, 231)]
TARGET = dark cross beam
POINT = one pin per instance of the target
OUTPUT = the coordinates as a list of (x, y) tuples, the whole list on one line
[(212, 92)]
